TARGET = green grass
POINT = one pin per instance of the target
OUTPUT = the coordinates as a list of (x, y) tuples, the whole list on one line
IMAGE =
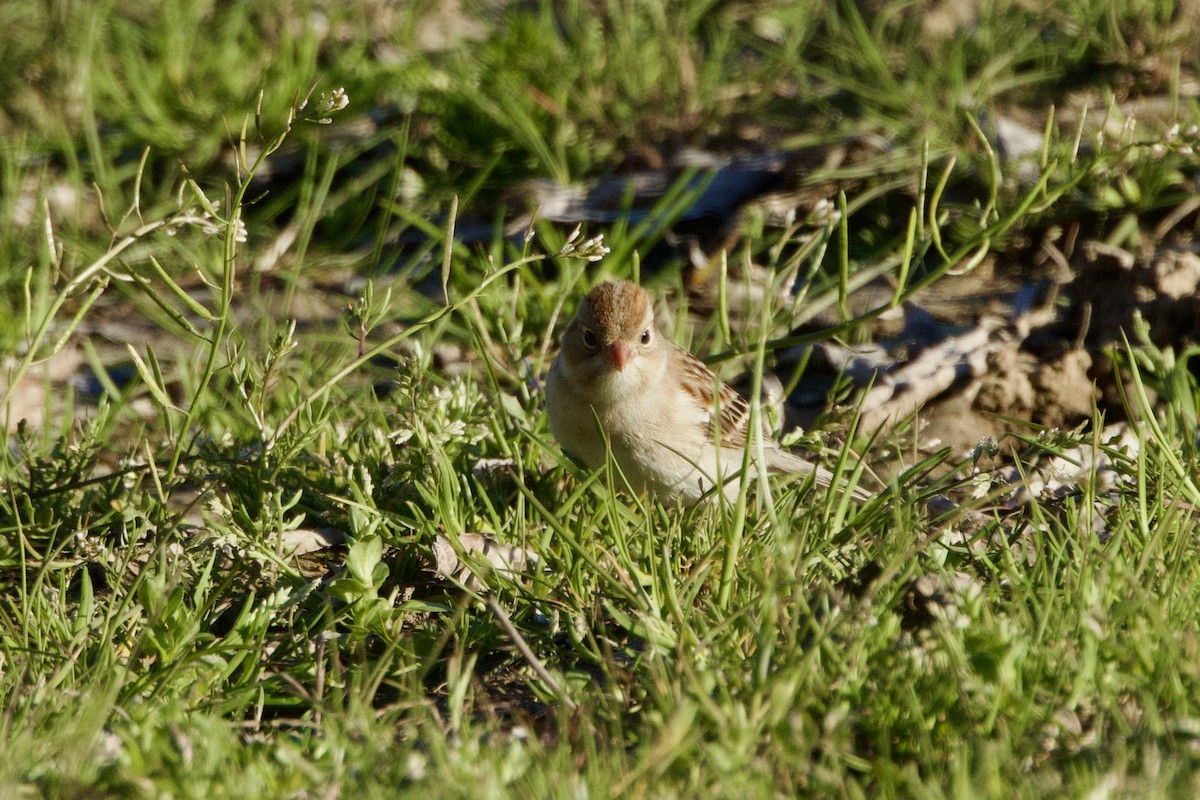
[(155, 640)]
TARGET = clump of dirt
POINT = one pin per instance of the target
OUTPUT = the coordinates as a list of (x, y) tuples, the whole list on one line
[(1017, 388), (1110, 286), (1064, 391), (1057, 392), (1007, 386)]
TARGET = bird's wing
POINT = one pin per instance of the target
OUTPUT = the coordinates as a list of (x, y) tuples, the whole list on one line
[(728, 411), (729, 417)]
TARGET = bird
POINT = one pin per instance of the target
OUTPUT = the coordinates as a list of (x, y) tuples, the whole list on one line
[(619, 386)]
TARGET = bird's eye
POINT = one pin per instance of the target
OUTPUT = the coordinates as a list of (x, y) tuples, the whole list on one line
[(589, 339), (646, 336)]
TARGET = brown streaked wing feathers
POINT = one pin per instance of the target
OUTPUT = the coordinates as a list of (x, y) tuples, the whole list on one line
[(734, 410)]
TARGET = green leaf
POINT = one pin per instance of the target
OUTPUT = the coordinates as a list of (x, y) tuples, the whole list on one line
[(364, 556)]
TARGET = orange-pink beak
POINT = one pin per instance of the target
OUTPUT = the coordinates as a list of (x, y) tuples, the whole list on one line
[(618, 354)]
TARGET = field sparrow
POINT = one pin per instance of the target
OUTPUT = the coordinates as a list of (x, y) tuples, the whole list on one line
[(671, 426)]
